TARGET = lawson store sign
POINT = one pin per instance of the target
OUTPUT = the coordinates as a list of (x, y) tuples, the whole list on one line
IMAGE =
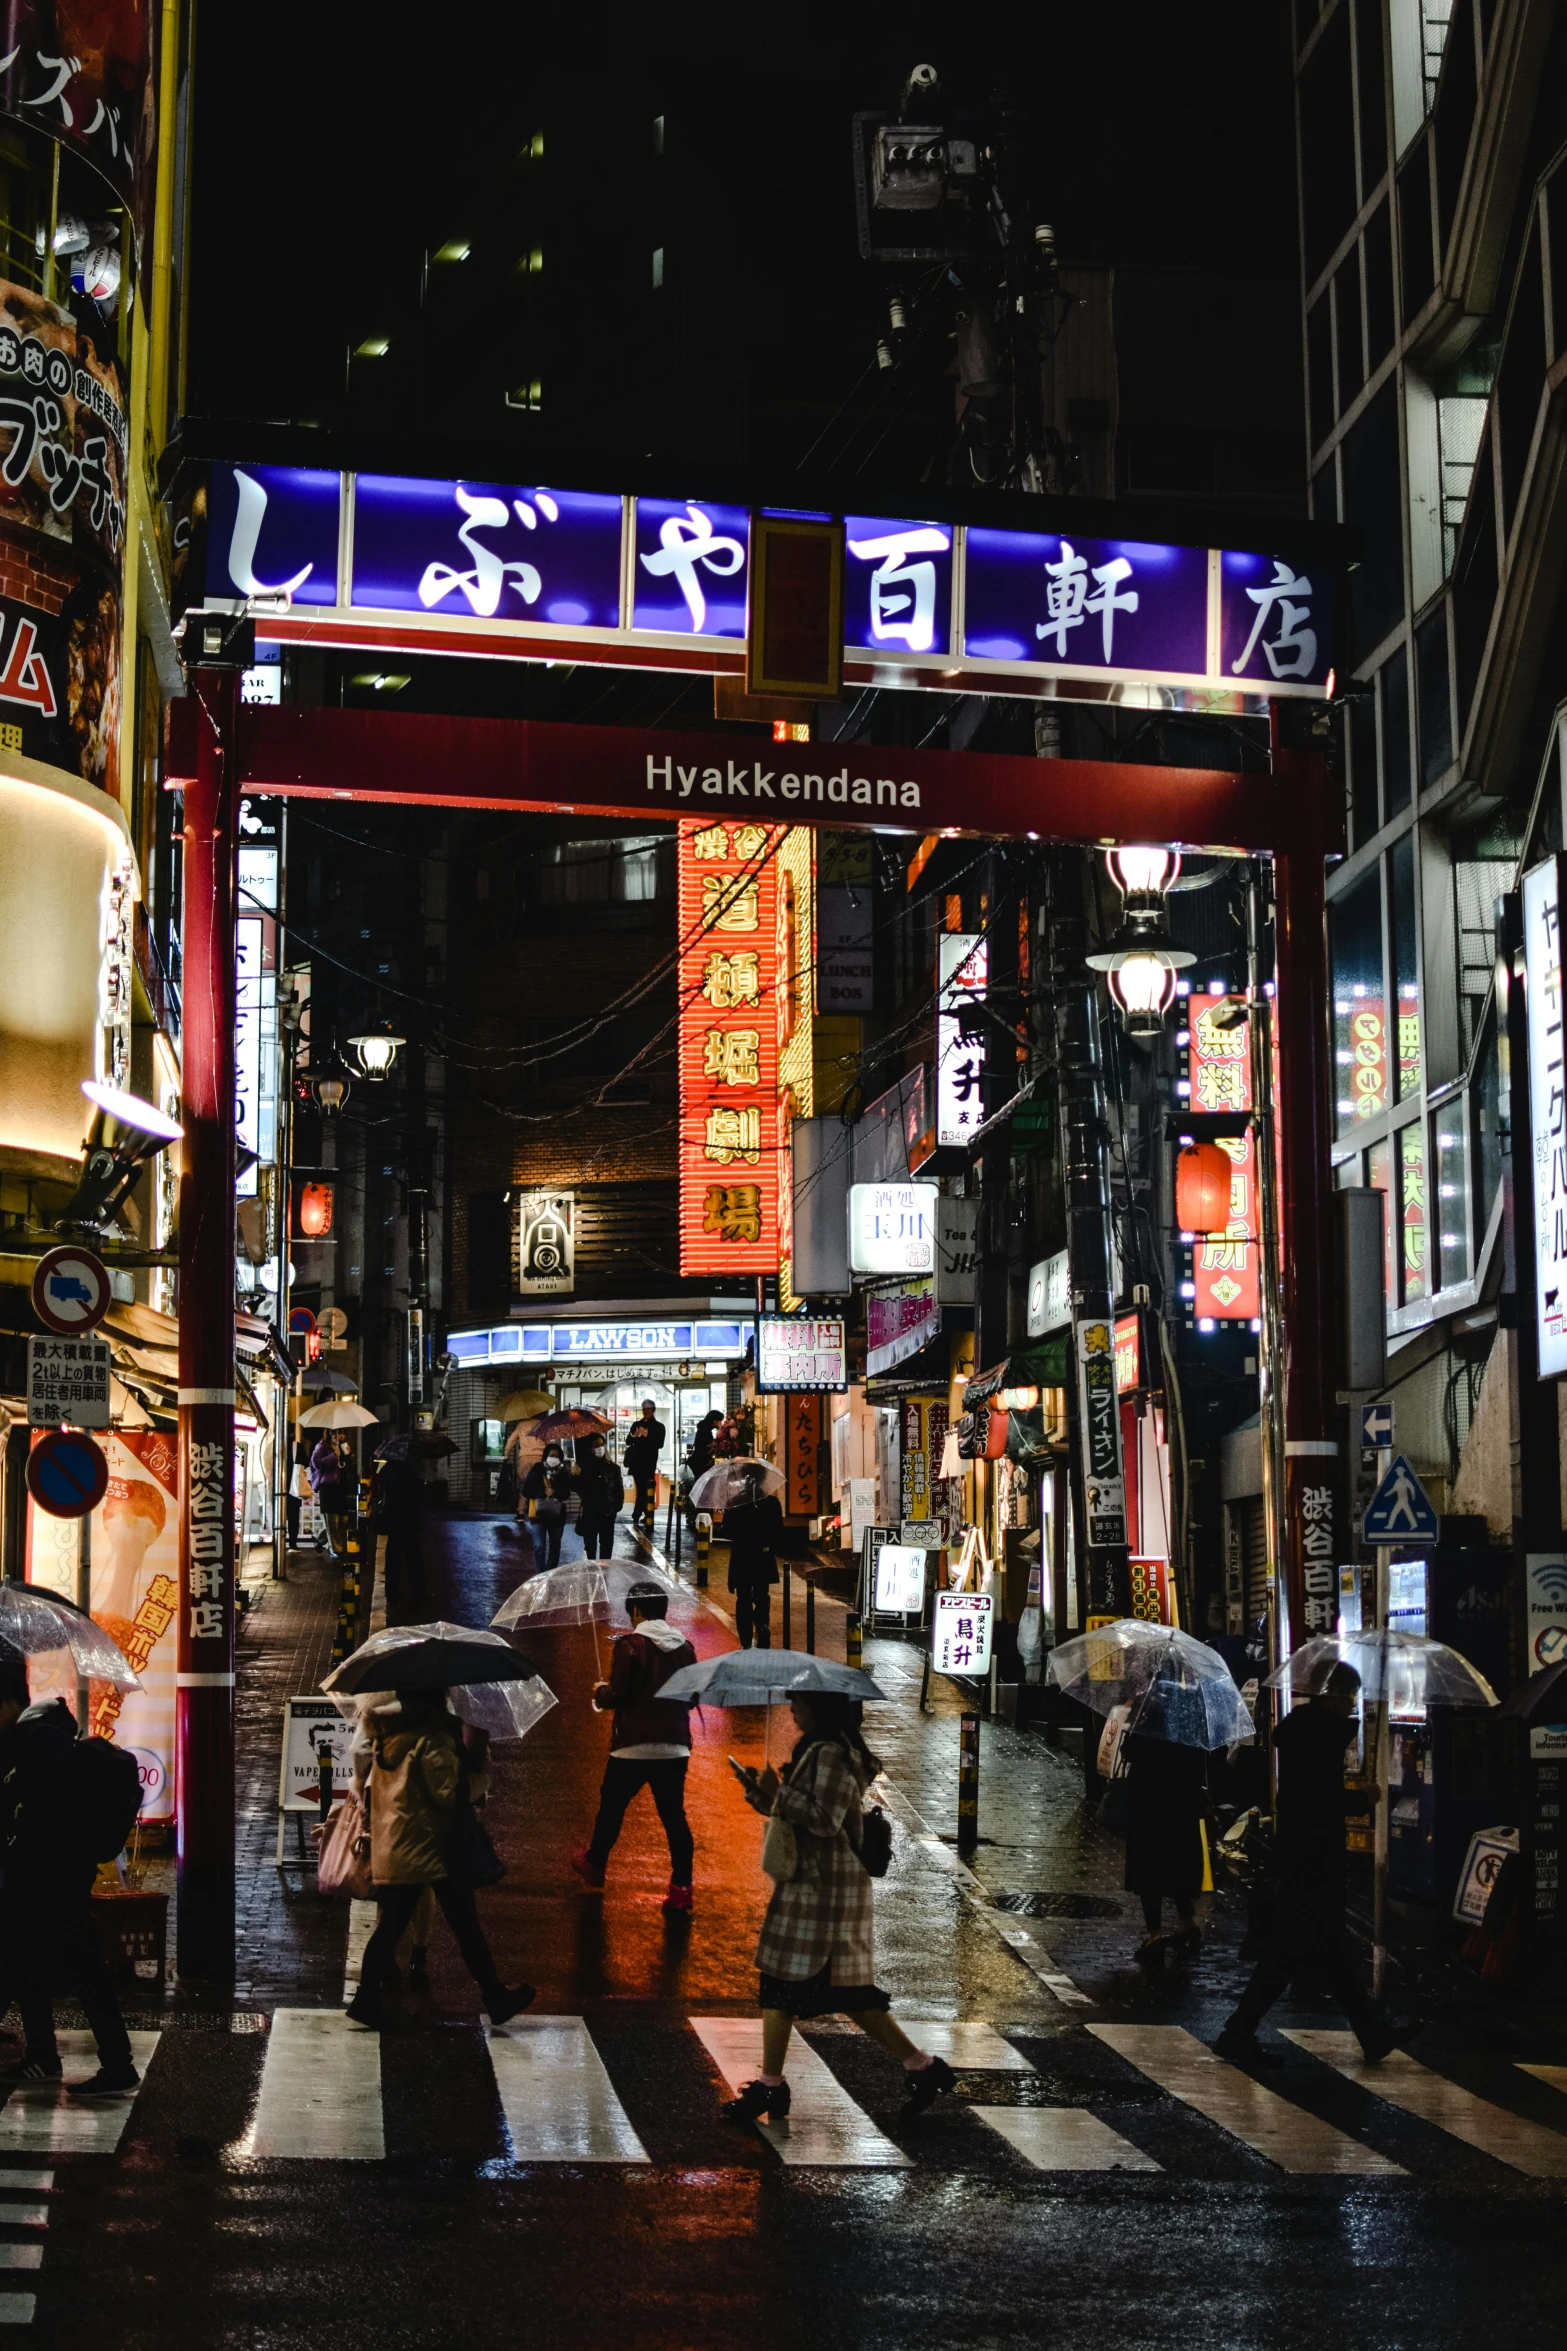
[(599, 1342), (383, 560)]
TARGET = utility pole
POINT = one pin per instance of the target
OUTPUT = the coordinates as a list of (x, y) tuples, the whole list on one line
[(1107, 1590)]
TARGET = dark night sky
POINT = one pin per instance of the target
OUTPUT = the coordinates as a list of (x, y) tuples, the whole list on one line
[(1156, 135)]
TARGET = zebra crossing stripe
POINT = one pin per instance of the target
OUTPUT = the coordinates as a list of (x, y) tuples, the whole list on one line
[(558, 2100), (39, 2120), (1553, 2076), (972, 2048), (320, 2090), (1402, 2081), (825, 2127), (1288, 2135), (1064, 2138)]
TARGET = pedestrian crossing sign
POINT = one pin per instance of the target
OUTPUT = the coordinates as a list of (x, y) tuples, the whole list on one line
[(1401, 1510)]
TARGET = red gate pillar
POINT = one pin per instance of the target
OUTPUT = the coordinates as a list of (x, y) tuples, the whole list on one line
[(1312, 1482), (204, 1680)]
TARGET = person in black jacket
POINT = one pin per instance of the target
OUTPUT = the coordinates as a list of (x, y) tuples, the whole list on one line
[(752, 1527), (1308, 1927), (1165, 1786), (548, 1487), (603, 1490), (644, 1444), (46, 1929)]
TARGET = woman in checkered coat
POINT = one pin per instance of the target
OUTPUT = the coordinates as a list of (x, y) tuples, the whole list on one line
[(817, 1952)]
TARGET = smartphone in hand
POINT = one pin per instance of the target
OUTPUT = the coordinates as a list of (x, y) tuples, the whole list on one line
[(745, 1773)]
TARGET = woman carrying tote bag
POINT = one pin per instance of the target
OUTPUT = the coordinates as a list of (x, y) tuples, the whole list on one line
[(817, 1952), (420, 1837)]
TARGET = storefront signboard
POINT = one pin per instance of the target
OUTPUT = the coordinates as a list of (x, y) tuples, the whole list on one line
[(312, 1727), (1151, 1589), (727, 887), (570, 1342), (1099, 1406), (1542, 946), (892, 1228), (1226, 1271), (1128, 1353), (961, 1632), (664, 574), (899, 1321), (900, 1580), (546, 1244), (962, 958), (1049, 1295), (801, 1354)]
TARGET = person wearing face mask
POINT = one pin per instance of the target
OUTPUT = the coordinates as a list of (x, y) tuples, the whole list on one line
[(602, 1486), (548, 1487)]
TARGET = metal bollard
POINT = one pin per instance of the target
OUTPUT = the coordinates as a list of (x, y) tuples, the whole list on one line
[(704, 1543), (853, 1639), (968, 1783), (810, 1617)]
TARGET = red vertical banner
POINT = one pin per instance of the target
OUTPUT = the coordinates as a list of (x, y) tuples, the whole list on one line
[(802, 1420), (1225, 1272), (728, 1062)]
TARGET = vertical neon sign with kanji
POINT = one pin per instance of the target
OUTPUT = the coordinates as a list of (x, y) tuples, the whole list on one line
[(1542, 912), (728, 1058), (1225, 1271)]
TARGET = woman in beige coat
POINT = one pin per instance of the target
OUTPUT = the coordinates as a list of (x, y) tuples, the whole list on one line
[(416, 1782), (817, 1953)]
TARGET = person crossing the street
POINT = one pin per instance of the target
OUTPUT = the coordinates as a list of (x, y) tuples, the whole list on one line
[(1308, 1922), (602, 1487), (650, 1742)]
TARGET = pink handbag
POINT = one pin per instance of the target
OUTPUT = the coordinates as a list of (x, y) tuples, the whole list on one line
[(344, 1866)]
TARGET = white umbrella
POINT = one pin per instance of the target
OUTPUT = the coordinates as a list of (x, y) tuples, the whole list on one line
[(339, 1414), (727, 1482)]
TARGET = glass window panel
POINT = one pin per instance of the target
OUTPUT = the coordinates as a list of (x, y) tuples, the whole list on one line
[(1360, 1028), (1363, 762), (1395, 733), (1436, 719), (1406, 969), (1490, 1127), (1414, 1214), (1379, 1175), (1452, 1192)]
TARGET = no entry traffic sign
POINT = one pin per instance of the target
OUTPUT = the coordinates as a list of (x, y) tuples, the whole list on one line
[(67, 1474), (71, 1291)]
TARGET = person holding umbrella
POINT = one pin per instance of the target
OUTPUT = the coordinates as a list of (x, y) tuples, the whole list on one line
[(816, 1954), (650, 1742), (1308, 1926), (1166, 1783), (753, 1523), (326, 1483)]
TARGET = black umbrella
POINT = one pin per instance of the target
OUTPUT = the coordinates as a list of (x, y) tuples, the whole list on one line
[(414, 1445), (429, 1657), (1542, 1698)]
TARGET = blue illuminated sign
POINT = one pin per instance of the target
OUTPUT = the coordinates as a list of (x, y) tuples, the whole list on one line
[(597, 1342), (271, 530), (1110, 604), (690, 568), (485, 549), (537, 562), (897, 585)]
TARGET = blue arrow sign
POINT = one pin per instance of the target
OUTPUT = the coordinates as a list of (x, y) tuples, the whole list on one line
[(1400, 1511), (1376, 1426)]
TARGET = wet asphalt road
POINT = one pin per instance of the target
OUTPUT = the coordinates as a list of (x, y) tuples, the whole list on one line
[(183, 2236)]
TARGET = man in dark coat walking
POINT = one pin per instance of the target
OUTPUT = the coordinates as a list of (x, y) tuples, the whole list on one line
[(399, 1515), (752, 1527), (644, 1444), (650, 1743), (46, 1929), (1308, 1925)]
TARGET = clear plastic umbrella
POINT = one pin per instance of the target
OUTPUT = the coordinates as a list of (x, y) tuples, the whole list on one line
[(584, 1591), (1175, 1686), (507, 1710), (1402, 1671), (728, 1482), (34, 1622)]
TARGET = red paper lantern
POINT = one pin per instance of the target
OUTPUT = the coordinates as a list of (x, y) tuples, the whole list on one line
[(315, 1210), (1203, 1175)]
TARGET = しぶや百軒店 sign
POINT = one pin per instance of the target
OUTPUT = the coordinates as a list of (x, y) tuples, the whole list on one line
[(644, 576)]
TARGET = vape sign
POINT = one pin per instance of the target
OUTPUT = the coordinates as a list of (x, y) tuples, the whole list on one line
[(546, 1244)]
